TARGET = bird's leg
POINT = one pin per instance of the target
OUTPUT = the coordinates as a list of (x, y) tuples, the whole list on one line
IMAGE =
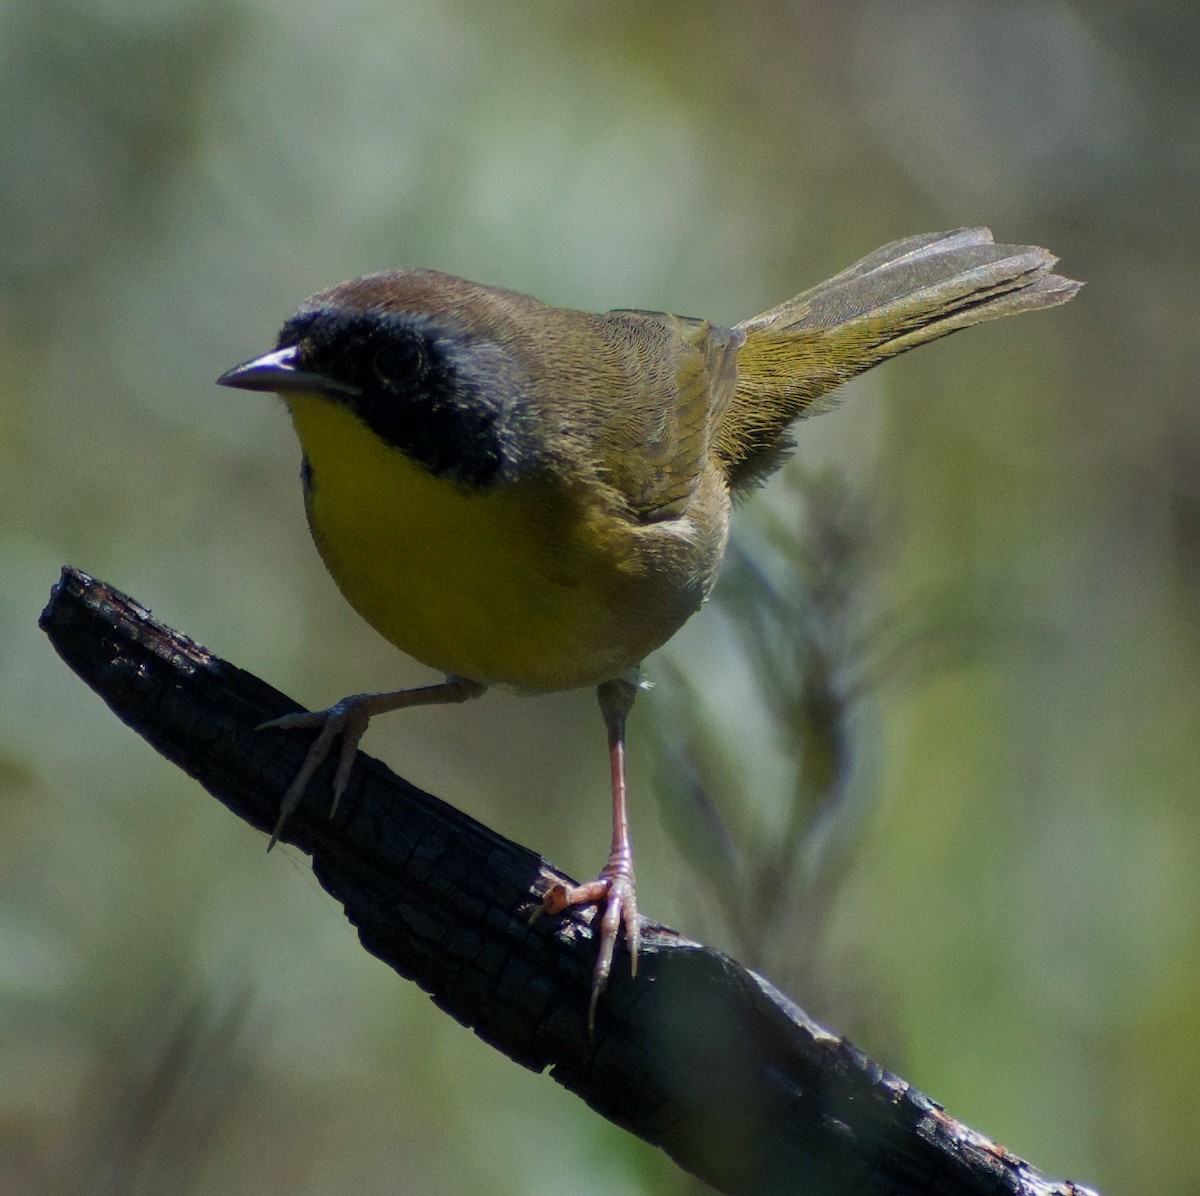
[(349, 718), (615, 884)]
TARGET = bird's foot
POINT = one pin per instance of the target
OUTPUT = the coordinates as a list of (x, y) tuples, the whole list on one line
[(347, 718), (614, 887)]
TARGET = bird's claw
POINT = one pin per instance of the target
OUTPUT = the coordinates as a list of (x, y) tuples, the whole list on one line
[(614, 889), (347, 718)]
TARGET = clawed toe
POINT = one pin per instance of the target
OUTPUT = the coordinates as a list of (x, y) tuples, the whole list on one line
[(347, 719), (297, 721), (614, 888)]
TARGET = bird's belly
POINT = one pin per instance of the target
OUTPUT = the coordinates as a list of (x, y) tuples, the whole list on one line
[(516, 584)]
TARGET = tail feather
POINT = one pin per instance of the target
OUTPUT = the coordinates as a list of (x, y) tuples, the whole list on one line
[(896, 298)]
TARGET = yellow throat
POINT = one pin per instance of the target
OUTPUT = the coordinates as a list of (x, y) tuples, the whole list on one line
[(520, 583)]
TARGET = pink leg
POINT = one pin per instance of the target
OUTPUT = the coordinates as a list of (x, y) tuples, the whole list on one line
[(349, 718), (615, 884)]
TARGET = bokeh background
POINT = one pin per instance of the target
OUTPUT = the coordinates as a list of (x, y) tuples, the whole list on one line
[(952, 808)]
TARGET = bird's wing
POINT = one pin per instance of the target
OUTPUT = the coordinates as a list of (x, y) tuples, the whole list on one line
[(680, 376)]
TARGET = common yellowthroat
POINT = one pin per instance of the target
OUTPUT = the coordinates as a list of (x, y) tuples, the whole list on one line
[(524, 495)]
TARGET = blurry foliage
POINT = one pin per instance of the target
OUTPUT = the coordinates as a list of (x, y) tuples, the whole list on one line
[(775, 860), (799, 592), (179, 1080), (932, 751), (85, 156)]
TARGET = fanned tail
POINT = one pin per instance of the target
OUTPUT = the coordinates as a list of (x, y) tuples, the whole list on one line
[(896, 298)]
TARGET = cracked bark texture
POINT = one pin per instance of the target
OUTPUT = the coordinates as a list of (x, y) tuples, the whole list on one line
[(697, 1055)]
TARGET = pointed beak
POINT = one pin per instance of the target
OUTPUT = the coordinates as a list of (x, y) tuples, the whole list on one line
[(278, 371)]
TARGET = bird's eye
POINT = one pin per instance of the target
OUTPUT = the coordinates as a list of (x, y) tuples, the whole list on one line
[(398, 360)]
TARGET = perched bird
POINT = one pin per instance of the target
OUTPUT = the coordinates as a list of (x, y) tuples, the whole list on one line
[(525, 495)]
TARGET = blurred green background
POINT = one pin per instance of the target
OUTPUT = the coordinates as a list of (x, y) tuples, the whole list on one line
[(996, 889)]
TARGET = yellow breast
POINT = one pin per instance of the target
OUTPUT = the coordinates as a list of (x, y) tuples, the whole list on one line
[(520, 583)]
